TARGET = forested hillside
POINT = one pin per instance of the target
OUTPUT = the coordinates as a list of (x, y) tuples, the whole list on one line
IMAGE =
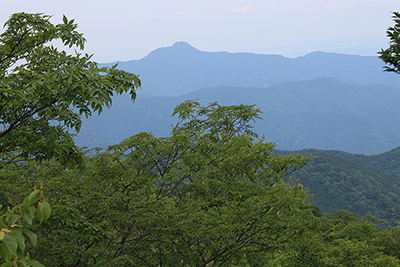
[(357, 183), (387, 162)]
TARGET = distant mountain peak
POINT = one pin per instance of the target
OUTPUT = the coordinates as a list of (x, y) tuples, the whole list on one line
[(183, 47), (182, 44), (180, 48)]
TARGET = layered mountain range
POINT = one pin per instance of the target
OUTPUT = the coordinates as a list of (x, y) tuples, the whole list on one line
[(323, 113), (342, 110), (321, 100), (181, 68)]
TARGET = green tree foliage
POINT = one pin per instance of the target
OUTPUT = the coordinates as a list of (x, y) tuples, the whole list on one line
[(210, 194), (15, 229), (391, 55), (341, 239), (387, 162), (357, 183), (44, 91)]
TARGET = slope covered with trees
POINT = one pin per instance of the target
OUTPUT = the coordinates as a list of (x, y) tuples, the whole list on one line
[(387, 162), (353, 182)]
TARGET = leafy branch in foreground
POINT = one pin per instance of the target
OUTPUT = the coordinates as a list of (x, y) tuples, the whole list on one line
[(391, 55), (44, 91), (15, 227)]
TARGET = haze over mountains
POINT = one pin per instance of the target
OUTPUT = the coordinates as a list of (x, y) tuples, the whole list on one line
[(321, 100), (181, 68), (323, 113), (324, 101)]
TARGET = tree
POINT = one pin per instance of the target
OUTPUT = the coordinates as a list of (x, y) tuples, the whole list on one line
[(341, 239), (391, 55), (211, 194), (15, 227), (44, 91)]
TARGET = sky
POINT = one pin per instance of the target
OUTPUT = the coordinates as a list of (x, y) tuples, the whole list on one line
[(122, 30)]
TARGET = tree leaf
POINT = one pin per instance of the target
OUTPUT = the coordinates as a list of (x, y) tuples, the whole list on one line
[(46, 209), (8, 264), (17, 233), (28, 199), (40, 214), (32, 236), (10, 244)]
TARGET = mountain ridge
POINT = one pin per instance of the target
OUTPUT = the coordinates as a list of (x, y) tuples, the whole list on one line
[(323, 113), (181, 69)]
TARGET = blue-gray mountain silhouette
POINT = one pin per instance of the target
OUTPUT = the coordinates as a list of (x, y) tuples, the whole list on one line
[(323, 113), (181, 68)]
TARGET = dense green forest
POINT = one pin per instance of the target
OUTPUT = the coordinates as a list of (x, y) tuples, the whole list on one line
[(212, 193), (387, 162), (358, 183)]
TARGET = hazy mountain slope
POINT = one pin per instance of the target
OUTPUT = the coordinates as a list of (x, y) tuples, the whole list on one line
[(323, 113), (181, 69), (349, 183)]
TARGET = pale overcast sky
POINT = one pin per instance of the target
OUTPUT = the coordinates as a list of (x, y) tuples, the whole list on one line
[(126, 30)]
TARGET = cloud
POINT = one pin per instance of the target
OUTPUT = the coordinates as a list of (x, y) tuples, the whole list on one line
[(179, 14), (235, 10)]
